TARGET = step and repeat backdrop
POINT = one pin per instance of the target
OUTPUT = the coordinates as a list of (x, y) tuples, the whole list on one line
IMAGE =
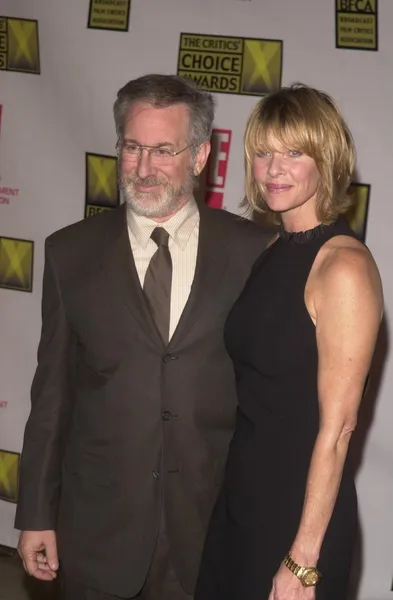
[(61, 64)]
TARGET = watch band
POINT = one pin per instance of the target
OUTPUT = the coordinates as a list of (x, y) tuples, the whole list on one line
[(291, 564), (307, 575)]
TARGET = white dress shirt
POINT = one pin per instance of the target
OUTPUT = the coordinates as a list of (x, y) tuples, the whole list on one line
[(183, 229)]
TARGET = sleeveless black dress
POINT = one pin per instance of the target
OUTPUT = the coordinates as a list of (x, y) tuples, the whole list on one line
[(271, 340)]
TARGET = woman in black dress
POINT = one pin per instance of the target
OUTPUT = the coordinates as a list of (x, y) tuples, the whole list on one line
[(301, 336)]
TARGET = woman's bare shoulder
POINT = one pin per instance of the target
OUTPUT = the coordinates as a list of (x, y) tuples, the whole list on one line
[(344, 268)]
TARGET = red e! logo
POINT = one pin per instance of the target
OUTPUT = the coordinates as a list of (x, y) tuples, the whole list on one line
[(217, 166), (218, 160)]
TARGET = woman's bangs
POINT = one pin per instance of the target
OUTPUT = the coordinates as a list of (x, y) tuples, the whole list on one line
[(267, 132)]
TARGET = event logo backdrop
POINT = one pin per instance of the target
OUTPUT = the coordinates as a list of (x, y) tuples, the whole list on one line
[(357, 214), (19, 49), (357, 24), (101, 183), (217, 166), (231, 65), (7, 194), (9, 475), (16, 264), (109, 14)]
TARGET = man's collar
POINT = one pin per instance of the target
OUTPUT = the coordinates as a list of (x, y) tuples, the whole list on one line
[(179, 226)]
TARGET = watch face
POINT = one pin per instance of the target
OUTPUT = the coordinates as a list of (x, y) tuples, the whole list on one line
[(310, 577)]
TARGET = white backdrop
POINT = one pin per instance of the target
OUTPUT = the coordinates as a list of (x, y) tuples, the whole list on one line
[(50, 121)]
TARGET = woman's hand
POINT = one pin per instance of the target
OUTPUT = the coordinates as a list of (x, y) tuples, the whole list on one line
[(286, 586)]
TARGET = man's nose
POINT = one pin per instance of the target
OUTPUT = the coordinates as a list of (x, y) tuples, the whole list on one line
[(145, 166)]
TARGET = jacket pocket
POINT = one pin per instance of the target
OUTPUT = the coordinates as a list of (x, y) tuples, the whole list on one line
[(91, 467)]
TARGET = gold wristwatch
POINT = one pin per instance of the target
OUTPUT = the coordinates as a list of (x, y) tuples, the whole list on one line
[(308, 575)]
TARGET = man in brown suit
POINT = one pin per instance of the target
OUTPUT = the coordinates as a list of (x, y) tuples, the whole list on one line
[(133, 400)]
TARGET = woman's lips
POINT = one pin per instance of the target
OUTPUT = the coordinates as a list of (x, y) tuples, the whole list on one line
[(278, 187)]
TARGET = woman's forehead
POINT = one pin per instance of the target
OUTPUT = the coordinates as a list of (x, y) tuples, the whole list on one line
[(278, 142)]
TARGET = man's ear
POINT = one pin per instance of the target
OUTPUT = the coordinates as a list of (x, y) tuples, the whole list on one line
[(201, 158)]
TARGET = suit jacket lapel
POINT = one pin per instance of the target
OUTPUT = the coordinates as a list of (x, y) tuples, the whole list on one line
[(211, 264), (120, 265)]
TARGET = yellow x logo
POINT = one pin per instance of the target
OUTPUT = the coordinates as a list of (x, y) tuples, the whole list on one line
[(101, 180), (23, 46), (357, 214), (9, 469), (16, 264), (261, 66)]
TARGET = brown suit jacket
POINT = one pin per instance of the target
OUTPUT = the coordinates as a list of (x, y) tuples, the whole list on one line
[(119, 423)]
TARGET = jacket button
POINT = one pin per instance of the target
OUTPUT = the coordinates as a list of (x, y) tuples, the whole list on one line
[(166, 415), (156, 474), (169, 358)]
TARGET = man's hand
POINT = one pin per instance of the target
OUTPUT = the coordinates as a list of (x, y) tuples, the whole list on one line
[(38, 551)]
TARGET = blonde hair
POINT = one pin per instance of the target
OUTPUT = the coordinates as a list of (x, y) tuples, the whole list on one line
[(308, 120)]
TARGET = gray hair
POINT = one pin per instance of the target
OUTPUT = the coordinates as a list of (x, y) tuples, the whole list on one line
[(162, 91)]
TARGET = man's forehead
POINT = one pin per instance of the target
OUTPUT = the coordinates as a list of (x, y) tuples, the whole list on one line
[(152, 125), (145, 109)]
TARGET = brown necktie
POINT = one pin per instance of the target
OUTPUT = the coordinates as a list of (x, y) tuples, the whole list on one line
[(157, 284)]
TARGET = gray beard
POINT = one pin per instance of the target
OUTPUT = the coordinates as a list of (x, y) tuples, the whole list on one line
[(154, 205)]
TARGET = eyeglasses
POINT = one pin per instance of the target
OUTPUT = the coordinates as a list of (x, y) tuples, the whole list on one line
[(157, 154)]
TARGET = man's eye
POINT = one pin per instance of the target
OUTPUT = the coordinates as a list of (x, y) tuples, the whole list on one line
[(133, 148), (162, 152)]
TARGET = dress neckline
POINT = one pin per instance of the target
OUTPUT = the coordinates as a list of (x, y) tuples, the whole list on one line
[(302, 237)]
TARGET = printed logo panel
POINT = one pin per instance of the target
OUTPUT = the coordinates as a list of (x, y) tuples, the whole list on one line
[(9, 476), (357, 214), (357, 24), (102, 192), (1, 117), (7, 194), (19, 47), (217, 167), (113, 15), (231, 65), (16, 264)]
